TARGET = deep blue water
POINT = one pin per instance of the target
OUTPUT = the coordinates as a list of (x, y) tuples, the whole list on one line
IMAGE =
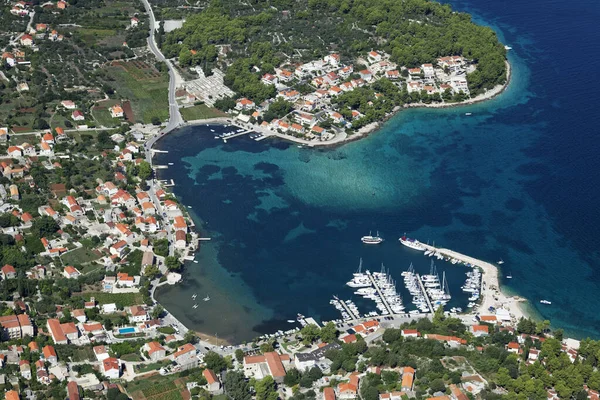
[(517, 180)]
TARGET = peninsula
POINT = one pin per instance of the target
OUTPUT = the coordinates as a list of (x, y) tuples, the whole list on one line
[(283, 72)]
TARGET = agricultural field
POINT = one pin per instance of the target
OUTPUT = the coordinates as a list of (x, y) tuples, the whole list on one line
[(201, 111), (144, 86), (157, 387), (101, 113)]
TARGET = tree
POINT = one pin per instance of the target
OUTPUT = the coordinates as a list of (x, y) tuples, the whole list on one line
[(329, 333), (239, 355), (44, 226), (292, 377), (144, 170), (265, 389), (310, 333), (215, 362), (236, 386), (155, 120), (157, 311), (172, 263)]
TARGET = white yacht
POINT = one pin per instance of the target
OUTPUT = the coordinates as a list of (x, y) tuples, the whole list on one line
[(369, 239), (412, 243)]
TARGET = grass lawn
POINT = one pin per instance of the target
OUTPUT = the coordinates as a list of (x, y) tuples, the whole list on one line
[(126, 299), (151, 367), (147, 93), (131, 357), (201, 111), (103, 117), (83, 354), (90, 36), (79, 256), (16, 140)]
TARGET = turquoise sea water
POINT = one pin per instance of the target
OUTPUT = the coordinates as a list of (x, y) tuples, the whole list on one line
[(517, 180)]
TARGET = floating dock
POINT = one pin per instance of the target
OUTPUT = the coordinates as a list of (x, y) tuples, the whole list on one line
[(380, 293), (425, 293)]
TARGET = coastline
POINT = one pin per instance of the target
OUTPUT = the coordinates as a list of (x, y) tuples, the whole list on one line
[(493, 295), (362, 132)]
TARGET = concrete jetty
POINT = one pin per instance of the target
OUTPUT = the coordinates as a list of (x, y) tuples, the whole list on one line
[(425, 293), (490, 291), (380, 293)]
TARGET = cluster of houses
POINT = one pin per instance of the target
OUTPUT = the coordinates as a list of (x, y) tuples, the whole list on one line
[(44, 147), (330, 78)]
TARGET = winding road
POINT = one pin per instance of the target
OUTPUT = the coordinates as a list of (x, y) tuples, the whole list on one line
[(175, 118)]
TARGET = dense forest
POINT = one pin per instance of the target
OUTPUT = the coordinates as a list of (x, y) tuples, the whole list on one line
[(265, 34)]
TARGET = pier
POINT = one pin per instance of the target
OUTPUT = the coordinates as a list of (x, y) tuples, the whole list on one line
[(161, 166), (380, 293), (350, 313), (158, 151), (425, 293)]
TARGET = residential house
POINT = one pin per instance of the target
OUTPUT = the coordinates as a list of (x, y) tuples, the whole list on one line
[(77, 116), (50, 354), (71, 272), (116, 111), (8, 272), (244, 104), (68, 104), (101, 353), (349, 390), (137, 314), (79, 315), (119, 248), (269, 79), (212, 382), (180, 239), (155, 351), (26, 40), (186, 355), (366, 75), (408, 378), (410, 333), (14, 151), (16, 326), (374, 57), (111, 368), (73, 391), (25, 369), (479, 330)]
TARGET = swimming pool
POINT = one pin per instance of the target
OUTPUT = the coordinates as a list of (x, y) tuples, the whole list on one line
[(124, 331)]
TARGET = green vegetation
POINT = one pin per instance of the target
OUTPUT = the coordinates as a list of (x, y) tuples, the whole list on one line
[(145, 87), (200, 111), (120, 299), (412, 32), (79, 256)]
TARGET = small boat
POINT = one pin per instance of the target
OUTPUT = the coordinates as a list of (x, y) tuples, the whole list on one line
[(508, 47), (170, 163), (207, 298), (371, 239), (195, 306), (291, 321), (500, 262), (468, 114), (212, 130), (189, 206), (195, 261), (509, 276), (545, 302), (194, 296)]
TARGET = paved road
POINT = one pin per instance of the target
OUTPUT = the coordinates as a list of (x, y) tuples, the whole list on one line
[(175, 118)]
